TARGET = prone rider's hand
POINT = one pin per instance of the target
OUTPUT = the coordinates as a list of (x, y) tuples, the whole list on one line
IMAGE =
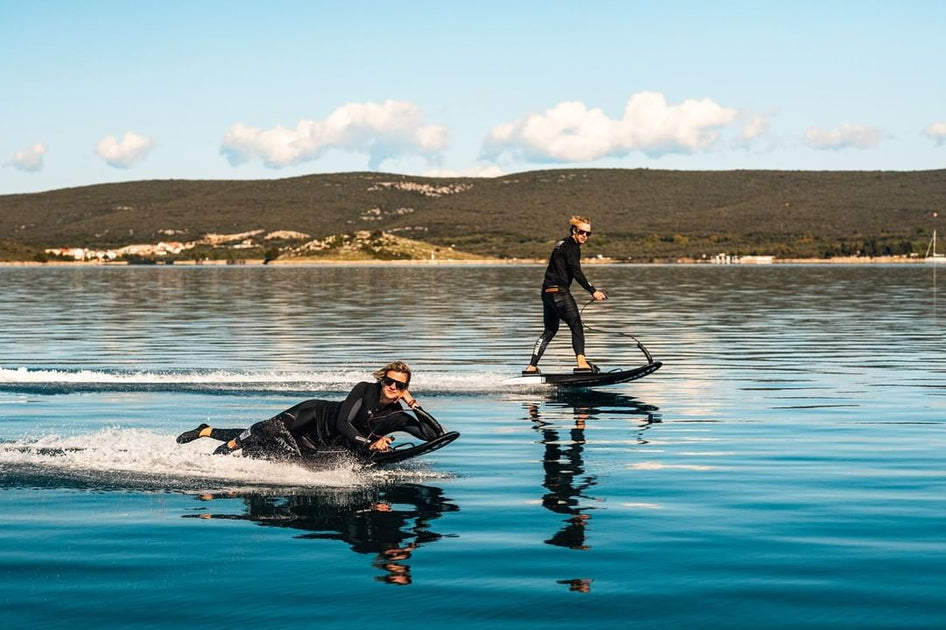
[(383, 443)]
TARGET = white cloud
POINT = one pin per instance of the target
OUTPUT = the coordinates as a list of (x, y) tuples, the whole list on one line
[(845, 137), (483, 170), (754, 128), (937, 133), (382, 130), (571, 132), (132, 148), (755, 134), (29, 159)]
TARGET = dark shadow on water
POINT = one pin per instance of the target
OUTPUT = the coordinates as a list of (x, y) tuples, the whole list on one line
[(389, 522), (561, 421)]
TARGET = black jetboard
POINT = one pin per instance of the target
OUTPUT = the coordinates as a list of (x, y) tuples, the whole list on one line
[(589, 379), (333, 457), (400, 454)]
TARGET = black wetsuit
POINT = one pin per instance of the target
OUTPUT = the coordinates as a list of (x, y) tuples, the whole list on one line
[(557, 300), (310, 426)]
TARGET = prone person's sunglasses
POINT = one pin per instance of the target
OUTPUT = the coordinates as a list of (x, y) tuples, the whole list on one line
[(388, 382)]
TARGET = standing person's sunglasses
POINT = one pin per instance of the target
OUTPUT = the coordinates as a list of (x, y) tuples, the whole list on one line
[(388, 382), (582, 232)]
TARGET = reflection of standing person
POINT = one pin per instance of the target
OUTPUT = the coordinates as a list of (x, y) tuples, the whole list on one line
[(558, 304), (565, 480), (563, 470), (362, 422)]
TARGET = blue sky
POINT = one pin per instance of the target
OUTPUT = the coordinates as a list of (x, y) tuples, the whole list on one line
[(104, 91)]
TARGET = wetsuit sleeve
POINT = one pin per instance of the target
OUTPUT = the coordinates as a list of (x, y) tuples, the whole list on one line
[(573, 260), (349, 411)]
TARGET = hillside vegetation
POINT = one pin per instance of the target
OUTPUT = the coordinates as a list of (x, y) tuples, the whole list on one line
[(637, 215)]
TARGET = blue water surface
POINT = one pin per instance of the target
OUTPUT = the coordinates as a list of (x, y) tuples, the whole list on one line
[(783, 469)]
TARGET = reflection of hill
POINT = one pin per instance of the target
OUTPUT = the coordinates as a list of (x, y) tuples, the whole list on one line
[(390, 522), (643, 214)]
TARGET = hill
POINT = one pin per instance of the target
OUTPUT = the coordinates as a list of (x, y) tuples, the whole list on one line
[(637, 214)]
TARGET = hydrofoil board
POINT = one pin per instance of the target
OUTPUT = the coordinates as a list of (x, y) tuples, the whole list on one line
[(586, 379)]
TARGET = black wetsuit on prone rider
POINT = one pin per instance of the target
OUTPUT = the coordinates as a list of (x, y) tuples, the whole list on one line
[(361, 423), (558, 304)]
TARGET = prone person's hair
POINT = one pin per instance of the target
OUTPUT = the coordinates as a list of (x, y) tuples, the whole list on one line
[(394, 366)]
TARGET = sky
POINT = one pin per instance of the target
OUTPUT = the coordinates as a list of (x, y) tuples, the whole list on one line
[(111, 91)]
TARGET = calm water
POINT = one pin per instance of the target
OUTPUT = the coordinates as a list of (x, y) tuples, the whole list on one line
[(786, 468)]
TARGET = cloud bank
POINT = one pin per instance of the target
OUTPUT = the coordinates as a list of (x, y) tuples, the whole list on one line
[(937, 133), (573, 132), (382, 130), (123, 154), (29, 159), (845, 137)]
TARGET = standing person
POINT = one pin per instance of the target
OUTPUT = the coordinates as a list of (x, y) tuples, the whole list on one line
[(557, 300), (363, 422)]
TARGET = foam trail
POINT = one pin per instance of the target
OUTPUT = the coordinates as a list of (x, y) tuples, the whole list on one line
[(211, 381), (143, 459), (28, 376)]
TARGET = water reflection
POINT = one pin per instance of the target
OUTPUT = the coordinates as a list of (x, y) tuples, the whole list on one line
[(390, 522), (577, 585), (561, 421)]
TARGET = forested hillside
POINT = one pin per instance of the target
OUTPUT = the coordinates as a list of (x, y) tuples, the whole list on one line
[(637, 214)]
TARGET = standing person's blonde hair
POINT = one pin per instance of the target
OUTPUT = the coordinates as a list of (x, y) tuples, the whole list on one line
[(394, 366), (577, 220)]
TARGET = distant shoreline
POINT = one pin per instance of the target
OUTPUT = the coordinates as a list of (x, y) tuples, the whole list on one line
[(847, 260)]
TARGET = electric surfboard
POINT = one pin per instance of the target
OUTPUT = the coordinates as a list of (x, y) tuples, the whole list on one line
[(400, 454), (585, 379), (332, 457)]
